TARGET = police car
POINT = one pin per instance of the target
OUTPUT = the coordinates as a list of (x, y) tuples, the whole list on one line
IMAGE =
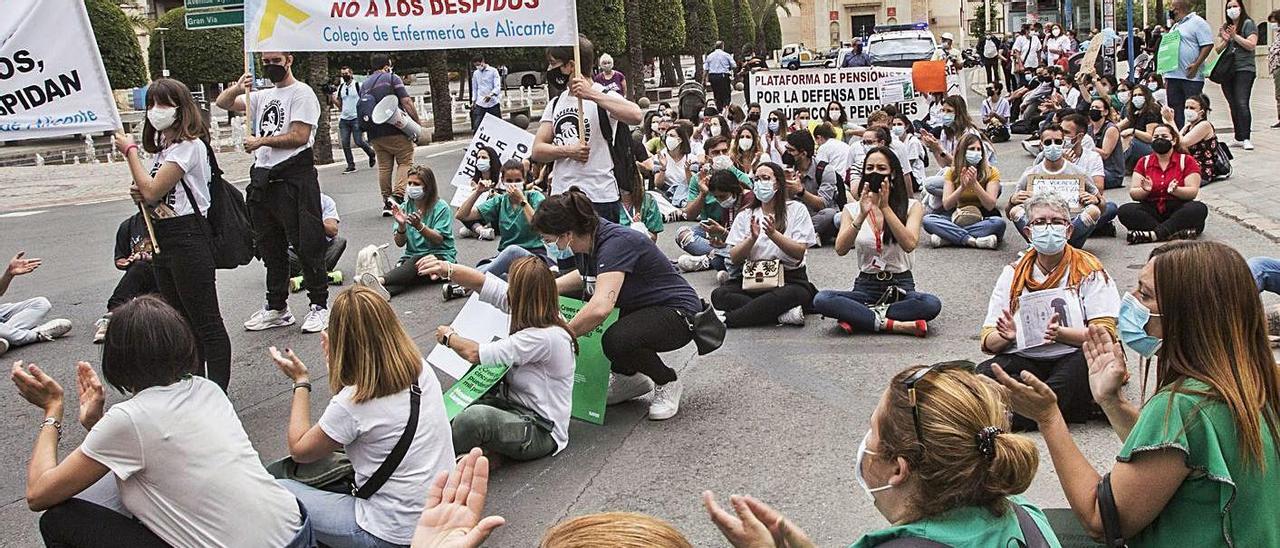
[(900, 45)]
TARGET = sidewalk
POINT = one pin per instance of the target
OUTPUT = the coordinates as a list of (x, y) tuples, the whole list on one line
[(1249, 195)]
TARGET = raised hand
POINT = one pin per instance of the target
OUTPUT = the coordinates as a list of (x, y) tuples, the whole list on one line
[(1028, 395), (1107, 368), (455, 504), (19, 266), (92, 399), (36, 387), (289, 364)]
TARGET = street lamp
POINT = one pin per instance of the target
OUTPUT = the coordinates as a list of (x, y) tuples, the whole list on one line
[(164, 64)]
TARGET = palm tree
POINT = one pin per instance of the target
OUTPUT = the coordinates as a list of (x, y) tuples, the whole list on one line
[(635, 51), (318, 78), (767, 8), (437, 62)]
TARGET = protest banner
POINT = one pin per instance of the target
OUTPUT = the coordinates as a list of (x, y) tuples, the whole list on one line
[(400, 25), (471, 386), (860, 90), (1037, 308), (591, 376), (52, 81), (478, 321), (505, 138), (1068, 188)]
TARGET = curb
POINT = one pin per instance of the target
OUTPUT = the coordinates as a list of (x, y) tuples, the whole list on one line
[(1267, 227)]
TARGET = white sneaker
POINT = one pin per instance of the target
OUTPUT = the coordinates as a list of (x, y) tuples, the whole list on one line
[(1032, 147), (1235, 143), (485, 233), (268, 319), (666, 401), (1246, 144), (693, 263), (370, 281), (53, 329), (935, 240), (317, 319), (722, 277), (795, 316), (369, 261), (4, 346), (627, 387), (986, 242), (465, 232), (101, 334)]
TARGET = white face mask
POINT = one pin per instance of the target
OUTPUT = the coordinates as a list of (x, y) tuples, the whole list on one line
[(414, 192), (745, 144), (1191, 115), (1139, 101), (1233, 13), (715, 130), (162, 118), (1153, 86), (857, 470), (606, 67), (673, 143)]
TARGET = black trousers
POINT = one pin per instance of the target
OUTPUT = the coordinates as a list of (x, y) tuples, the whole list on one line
[(1067, 375), (744, 309), (633, 342), (404, 276), (286, 212), (77, 523), (1238, 90), (1178, 215), (610, 211), (721, 88), (186, 277), (138, 280), (332, 254), (993, 70)]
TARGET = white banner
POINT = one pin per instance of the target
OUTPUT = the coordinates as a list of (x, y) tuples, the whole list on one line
[(399, 25), (860, 90), (52, 82), (505, 138)]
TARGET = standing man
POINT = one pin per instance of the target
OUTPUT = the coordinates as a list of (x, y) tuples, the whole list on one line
[(1026, 54), (855, 57), (947, 51), (486, 86), (1197, 41), (719, 66), (581, 160), (393, 148), (346, 98), (284, 191)]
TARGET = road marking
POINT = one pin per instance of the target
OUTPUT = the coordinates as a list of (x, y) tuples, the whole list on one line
[(450, 150), (17, 214)]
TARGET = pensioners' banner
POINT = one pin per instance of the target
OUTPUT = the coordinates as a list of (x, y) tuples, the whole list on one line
[(860, 90), (52, 82), (397, 25)]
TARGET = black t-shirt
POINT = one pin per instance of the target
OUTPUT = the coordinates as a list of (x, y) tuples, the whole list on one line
[(1141, 121), (651, 279), (132, 237)]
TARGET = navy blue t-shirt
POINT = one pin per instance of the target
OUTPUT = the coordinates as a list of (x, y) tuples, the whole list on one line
[(651, 279)]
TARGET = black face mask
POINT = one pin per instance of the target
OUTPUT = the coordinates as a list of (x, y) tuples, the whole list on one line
[(1095, 115), (346, 78), (276, 73), (558, 79), (754, 117), (788, 159), (874, 180), (1161, 146), (1172, 17)]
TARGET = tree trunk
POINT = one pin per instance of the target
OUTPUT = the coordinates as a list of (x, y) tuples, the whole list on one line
[(671, 74), (441, 101), (318, 78), (699, 75), (635, 50)]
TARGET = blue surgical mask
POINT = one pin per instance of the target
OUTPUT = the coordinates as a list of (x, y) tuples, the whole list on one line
[(414, 192), (898, 130), (1053, 153), (482, 166), (556, 252), (1132, 326), (947, 118), (1049, 239), (973, 157), (764, 190), (773, 127)]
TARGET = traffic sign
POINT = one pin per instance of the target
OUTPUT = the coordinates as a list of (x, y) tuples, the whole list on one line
[(215, 19), (206, 4)]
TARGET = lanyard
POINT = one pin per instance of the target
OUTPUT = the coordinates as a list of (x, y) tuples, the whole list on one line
[(877, 232)]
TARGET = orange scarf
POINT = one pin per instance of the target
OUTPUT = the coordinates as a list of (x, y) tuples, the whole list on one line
[(1076, 265)]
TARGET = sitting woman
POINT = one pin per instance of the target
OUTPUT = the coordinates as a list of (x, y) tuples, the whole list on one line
[(1051, 264), (423, 227), (540, 350), (511, 210), (1106, 141), (883, 228), (1164, 189), (937, 462), (641, 212), (1141, 117), (775, 136), (483, 182), (1200, 464), (971, 189), (746, 150), (383, 393), (772, 229), (174, 453), (720, 199), (674, 166), (1197, 137)]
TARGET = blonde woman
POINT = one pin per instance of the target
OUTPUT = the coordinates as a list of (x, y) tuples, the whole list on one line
[(530, 418), (381, 385)]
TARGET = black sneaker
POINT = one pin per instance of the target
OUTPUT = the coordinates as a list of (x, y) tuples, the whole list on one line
[(1104, 231), (372, 161), (350, 169), (455, 291), (386, 209)]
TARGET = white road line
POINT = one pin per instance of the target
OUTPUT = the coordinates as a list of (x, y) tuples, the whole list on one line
[(17, 214)]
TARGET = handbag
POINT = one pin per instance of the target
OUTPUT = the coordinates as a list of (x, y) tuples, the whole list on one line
[(1223, 66), (966, 215), (1111, 536), (1221, 162), (758, 276), (708, 330), (226, 223)]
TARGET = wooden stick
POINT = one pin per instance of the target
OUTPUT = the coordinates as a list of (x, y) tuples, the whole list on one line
[(151, 231), (248, 110), (582, 116)]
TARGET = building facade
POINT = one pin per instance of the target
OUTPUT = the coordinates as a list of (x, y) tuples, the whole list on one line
[(824, 24)]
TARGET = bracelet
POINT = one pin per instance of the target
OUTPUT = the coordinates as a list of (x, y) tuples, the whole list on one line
[(448, 273), (303, 384), (55, 423), (129, 149)]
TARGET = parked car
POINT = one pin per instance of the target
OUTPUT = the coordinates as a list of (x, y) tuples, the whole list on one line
[(524, 79), (805, 59), (900, 45)]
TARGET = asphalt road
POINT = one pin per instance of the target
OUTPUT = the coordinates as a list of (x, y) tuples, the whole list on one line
[(777, 413)]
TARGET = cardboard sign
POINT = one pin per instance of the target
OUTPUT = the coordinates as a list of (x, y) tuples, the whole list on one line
[(478, 321), (509, 141), (1036, 309), (591, 376), (1068, 188)]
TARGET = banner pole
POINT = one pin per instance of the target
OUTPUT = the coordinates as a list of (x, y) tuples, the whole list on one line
[(248, 111), (582, 116), (151, 231)]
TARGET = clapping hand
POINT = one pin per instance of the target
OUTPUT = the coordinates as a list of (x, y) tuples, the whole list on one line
[(1006, 327), (795, 187), (1143, 182), (1227, 33), (755, 228), (398, 214), (455, 504), (91, 396), (1107, 369), (414, 220), (970, 178), (1051, 330), (767, 226), (36, 387), (289, 364), (1028, 396), (756, 525), (869, 201), (19, 266)]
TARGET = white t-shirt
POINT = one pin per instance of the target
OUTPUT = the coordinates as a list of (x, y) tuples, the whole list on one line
[(895, 259), (912, 156), (275, 109), (542, 364), (328, 210), (799, 228), (369, 430), (185, 468), (1062, 43), (193, 158), (835, 153), (677, 180), (1027, 50), (595, 176), (1098, 298)]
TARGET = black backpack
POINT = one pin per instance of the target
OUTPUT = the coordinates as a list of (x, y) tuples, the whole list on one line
[(621, 144), (229, 231)]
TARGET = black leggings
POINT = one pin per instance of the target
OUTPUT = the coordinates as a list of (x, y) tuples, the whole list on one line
[(633, 342), (77, 523), (1178, 215), (138, 280), (1237, 90), (744, 309), (186, 278), (1067, 375), (404, 276)]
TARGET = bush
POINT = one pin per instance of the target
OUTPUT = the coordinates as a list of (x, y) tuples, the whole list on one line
[(701, 30), (118, 44), (662, 27), (771, 27), (737, 25), (602, 22), (196, 57)]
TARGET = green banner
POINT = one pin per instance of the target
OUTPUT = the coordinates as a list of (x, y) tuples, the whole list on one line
[(591, 377), (1167, 55), (471, 386)]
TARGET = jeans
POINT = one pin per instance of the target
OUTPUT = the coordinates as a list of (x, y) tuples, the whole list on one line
[(1067, 375), (394, 152), (405, 275), (332, 253), (478, 112), (18, 319), (333, 517), (694, 241), (610, 211), (1176, 91), (854, 306), (1177, 216), (1266, 273), (346, 130), (500, 431), (138, 280), (499, 265), (1137, 149), (1238, 90), (633, 342), (286, 213), (186, 277), (940, 225), (743, 309)]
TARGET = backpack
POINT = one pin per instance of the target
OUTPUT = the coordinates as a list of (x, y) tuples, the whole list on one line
[(621, 144), (373, 90), (229, 231)]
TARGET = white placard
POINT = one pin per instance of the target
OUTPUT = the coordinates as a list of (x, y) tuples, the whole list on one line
[(859, 89), (478, 321), (401, 25), (52, 81), (505, 138), (896, 89), (1067, 187), (1037, 308)]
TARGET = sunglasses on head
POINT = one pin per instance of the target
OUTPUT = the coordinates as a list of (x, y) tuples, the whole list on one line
[(910, 384)]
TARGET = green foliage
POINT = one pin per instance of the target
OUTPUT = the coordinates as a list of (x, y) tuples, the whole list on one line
[(701, 30), (662, 27), (602, 22), (118, 43), (772, 29), (737, 26), (195, 57)]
